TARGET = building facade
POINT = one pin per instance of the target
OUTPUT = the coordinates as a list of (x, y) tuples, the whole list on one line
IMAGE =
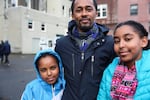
[(116, 11), (138, 10), (31, 25), (107, 13)]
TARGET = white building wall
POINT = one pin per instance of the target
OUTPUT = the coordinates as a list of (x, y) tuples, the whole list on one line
[(55, 7), (15, 27), (54, 25), (2, 21)]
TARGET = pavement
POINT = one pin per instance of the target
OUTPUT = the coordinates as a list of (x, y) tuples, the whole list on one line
[(14, 77)]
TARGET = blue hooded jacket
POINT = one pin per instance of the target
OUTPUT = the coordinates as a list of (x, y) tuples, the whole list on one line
[(143, 77), (39, 89)]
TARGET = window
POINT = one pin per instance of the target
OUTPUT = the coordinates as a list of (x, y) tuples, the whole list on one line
[(133, 9), (42, 5), (43, 27), (11, 3), (102, 11), (50, 43), (64, 11), (14, 3), (23, 3), (30, 24)]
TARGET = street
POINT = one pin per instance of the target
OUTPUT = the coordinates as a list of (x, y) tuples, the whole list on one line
[(13, 78)]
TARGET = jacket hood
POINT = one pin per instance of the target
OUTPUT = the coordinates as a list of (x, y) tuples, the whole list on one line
[(101, 27), (61, 82)]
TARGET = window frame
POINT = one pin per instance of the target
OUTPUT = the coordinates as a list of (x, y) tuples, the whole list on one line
[(102, 10), (133, 9)]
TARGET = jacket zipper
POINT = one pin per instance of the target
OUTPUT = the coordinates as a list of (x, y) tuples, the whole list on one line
[(82, 56), (73, 65), (82, 59), (92, 66), (80, 72)]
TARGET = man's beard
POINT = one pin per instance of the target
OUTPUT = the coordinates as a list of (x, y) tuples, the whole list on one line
[(85, 28)]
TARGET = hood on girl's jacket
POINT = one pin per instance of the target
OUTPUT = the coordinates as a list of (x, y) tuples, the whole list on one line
[(61, 82)]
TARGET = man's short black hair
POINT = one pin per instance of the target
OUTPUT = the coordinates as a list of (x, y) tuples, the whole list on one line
[(73, 1)]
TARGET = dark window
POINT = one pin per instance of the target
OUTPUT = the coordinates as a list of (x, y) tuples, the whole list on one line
[(104, 11), (98, 13), (43, 27), (22, 3), (50, 44), (133, 9), (63, 9), (30, 24)]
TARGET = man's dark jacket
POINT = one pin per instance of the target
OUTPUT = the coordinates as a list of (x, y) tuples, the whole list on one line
[(84, 70)]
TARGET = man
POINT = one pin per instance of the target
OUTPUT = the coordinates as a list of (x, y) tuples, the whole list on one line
[(7, 51), (85, 51)]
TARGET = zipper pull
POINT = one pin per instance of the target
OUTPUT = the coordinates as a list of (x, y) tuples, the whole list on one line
[(82, 56), (92, 59), (92, 66)]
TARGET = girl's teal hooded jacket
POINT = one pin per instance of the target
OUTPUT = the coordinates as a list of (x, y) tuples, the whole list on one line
[(39, 89), (143, 77)]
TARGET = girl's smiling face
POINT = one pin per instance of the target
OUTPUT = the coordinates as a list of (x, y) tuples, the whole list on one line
[(128, 44)]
